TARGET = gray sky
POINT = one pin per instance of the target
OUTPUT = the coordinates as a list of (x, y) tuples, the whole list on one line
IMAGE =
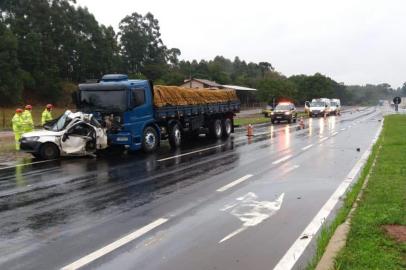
[(352, 41)]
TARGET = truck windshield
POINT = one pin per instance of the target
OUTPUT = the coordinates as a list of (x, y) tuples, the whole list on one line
[(317, 104), (103, 100), (283, 107)]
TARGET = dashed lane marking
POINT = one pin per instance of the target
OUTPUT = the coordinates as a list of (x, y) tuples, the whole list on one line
[(282, 159), (234, 183), (307, 147), (190, 153), (115, 245)]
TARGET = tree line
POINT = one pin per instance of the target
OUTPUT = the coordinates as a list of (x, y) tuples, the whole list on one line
[(48, 46)]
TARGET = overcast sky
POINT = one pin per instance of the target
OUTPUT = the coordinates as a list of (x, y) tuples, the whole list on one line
[(352, 41)]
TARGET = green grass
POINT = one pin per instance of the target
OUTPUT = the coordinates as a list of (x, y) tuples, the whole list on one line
[(6, 114), (251, 120), (383, 202)]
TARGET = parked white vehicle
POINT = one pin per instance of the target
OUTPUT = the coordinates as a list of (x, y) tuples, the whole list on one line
[(335, 106), (72, 134), (319, 107)]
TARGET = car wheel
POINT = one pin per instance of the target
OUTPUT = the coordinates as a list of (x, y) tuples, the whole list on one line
[(150, 140), (227, 127), (175, 136), (49, 151)]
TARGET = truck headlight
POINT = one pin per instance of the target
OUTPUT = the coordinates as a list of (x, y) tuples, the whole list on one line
[(287, 113), (31, 139)]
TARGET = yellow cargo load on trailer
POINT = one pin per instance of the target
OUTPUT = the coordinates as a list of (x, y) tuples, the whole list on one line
[(178, 96)]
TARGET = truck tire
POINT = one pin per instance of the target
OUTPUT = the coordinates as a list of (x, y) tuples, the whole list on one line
[(216, 129), (149, 140), (175, 136), (49, 151), (227, 127)]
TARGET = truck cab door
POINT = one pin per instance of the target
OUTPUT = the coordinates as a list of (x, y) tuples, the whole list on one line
[(141, 112)]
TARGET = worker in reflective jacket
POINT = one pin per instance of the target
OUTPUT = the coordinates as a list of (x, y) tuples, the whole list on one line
[(46, 114), (18, 127), (27, 119)]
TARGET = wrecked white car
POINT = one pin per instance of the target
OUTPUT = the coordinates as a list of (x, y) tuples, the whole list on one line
[(72, 134)]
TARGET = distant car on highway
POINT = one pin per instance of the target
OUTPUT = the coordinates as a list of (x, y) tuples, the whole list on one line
[(284, 111)]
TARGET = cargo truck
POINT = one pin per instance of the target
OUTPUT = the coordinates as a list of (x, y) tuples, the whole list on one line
[(135, 114)]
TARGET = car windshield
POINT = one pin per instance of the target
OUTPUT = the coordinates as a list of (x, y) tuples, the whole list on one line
[(333, 104), (103, 100), (283, 107), (58, 124), (317, 104)]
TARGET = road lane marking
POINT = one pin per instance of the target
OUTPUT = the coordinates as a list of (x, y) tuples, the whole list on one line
[(189, 153), (335, 133), (294, 167), (281, 159), (323, 139), (342, 129), (26, 164), (307, 147), (234, 183), (251, 212), (111, 247), (290, 258)]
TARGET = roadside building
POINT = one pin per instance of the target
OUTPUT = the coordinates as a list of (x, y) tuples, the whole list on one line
[(246, 95), (200, 83)]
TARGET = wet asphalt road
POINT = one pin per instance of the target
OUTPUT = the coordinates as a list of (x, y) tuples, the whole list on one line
[(233, 204)]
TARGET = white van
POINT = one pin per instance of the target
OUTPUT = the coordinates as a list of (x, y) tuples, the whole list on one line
[(319, 107), (335, 106)]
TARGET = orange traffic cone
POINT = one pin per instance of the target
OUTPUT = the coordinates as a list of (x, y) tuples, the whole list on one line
[(250, 130)]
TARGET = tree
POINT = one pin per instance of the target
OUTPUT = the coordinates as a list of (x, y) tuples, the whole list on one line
[(275, 87), (11, 75)]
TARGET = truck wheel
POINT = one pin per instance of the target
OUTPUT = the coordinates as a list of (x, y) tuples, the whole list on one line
[(226, 126), (149, 140), (216, 129), (175, 136), (49, 151)]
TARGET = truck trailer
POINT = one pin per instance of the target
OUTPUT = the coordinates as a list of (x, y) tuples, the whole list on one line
[(136, 115)]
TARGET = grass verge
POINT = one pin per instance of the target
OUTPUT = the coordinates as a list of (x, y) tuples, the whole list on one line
[(384, 202), (6, 114), (251, 120)]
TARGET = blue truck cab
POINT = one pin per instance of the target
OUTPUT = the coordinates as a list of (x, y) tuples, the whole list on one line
[(125, 105), (126, 109)]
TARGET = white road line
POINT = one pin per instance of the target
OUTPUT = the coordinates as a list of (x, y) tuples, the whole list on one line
[(323, 139), (26, 164), (109, 248), (234, 183), (282, 159), (296, 250), (294, 167), (307, 147), (342, 129), (335, 133), (189, 153)]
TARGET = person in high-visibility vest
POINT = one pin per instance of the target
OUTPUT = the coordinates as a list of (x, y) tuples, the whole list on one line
[(27, 118), (46, 114), (18, 127)]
